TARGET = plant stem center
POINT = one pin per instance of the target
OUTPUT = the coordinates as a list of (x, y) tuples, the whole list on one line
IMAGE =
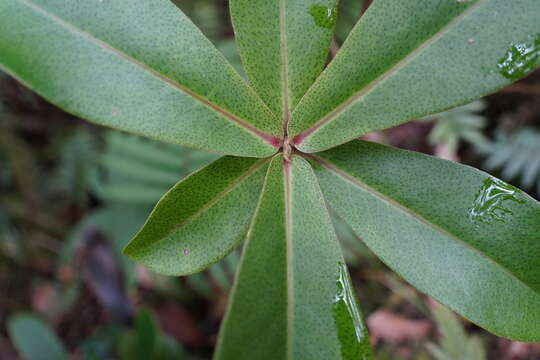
[(287, 149)]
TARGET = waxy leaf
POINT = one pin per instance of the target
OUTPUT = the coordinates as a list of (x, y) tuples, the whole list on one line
[(284, 46), (409, 58), (138, 66), (469, 240), (292, 298), (202, 218)]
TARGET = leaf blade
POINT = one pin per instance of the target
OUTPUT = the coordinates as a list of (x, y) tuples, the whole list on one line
[(179, 237), (447, 57), (292, 288), (450, 248), (166, 81), (282, 47), (34, 339)]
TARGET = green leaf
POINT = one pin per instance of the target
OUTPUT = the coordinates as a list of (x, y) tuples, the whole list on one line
[(292, 298), (201, 219), (141, 344), (452, 332), (136, 170), (147, 342), (284, 45), (409, 58), (142, 67), (467, 239), (34, 339), (454, 342)]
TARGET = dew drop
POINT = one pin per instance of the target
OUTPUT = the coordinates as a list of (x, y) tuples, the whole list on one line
[(490, 200), (324, 16), (520, 59), (186, 251), (470, 41), (352, 332)]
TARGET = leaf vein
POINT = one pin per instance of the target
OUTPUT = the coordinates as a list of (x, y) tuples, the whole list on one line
[(366, 90), (138, 64), (290, 256), (363, 186), (285, 66), (235, 184)]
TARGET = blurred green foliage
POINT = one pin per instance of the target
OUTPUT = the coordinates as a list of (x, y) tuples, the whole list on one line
[(516, 156), (349, 12), (145, 341), (34, 339), (455, 343), (105, 180), (462, 124)]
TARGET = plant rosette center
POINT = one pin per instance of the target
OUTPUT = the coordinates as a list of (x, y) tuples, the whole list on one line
[(287, 149)]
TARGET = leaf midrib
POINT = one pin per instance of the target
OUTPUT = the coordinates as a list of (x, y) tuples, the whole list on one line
[(409, 212), (138, 64), (216, 199), (366, 90), (285, 67), (290, 255), (248, 237)]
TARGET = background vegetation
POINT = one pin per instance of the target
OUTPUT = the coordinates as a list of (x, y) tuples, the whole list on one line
[(72, 195)]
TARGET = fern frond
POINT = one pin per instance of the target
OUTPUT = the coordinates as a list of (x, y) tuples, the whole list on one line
[(77, 157), (459, 124), (455, 343), (516, 156), (138, 170)]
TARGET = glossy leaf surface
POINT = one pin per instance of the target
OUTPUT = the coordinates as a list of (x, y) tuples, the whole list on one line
[(284, 45), (409, 58), (467, 239), (202, 218), (293, 298), (142, 67)]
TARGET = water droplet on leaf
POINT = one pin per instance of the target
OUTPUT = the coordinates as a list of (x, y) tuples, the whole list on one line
[(490, 200), (324, 16), (352, 332), (520, 59), (186, 251)]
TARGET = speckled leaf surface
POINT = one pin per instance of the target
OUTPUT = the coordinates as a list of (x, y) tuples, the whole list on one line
[(202, 218), (284, 46), (292, 298), (467, 239), (409, 58), (138, 66)]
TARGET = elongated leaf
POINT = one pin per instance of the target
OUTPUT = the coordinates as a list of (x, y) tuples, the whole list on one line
[(454, 343), (409, 58), (139, 66), (467, 239), (142, 343), (284, 45), (201, 219), (292, 298), (34, 339), (147, 342)]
